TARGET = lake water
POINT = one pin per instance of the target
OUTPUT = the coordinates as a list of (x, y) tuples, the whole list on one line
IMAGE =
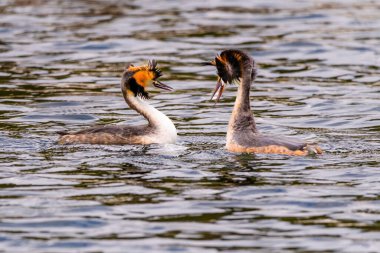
[(318, 79)]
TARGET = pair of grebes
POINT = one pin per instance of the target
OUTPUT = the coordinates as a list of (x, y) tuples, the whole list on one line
[(242, 134)]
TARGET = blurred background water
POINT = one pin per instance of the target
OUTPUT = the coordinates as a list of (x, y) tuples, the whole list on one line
[(318, 78)]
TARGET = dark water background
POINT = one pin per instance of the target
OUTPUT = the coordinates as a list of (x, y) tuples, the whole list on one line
[(319, 79)]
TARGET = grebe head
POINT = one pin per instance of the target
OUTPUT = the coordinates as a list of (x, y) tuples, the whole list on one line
[(138, 79), (232, 65)]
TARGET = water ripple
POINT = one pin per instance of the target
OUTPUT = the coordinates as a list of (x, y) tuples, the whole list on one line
[(318, 78)]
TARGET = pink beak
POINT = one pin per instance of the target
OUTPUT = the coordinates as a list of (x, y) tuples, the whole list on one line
[(219, 87)]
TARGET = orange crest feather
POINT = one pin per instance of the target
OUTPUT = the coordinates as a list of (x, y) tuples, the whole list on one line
[(143, 77)]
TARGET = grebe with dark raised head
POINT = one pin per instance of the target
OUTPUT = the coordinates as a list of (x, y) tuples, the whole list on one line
[(242, 134), (160, 129)]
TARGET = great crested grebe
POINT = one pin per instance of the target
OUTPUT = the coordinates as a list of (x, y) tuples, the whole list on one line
[(242, 134), (160, 129)]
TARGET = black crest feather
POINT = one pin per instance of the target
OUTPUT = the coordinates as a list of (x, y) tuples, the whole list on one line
[(138, 90), (152, 66), (231, 63)]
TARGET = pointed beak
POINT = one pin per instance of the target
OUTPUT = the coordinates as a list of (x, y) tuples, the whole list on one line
[(160, 85), (219, 88), (207, 63)]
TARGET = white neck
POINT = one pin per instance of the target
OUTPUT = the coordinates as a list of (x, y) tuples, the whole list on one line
[(164, 128)]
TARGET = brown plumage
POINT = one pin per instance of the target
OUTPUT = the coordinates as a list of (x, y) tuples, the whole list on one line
[(242, 134)]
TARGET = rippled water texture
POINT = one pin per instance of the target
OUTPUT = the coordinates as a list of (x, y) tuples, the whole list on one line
[(318, 79)]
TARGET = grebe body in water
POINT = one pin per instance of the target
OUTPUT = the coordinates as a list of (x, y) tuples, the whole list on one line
[(160, 129), (242, 134)]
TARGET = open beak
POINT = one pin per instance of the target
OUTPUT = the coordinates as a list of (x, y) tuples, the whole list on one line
[(160, 85), (219, 88)]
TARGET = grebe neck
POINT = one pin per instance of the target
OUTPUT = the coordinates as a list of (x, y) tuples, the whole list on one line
[(163, 127), (242, 117)]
